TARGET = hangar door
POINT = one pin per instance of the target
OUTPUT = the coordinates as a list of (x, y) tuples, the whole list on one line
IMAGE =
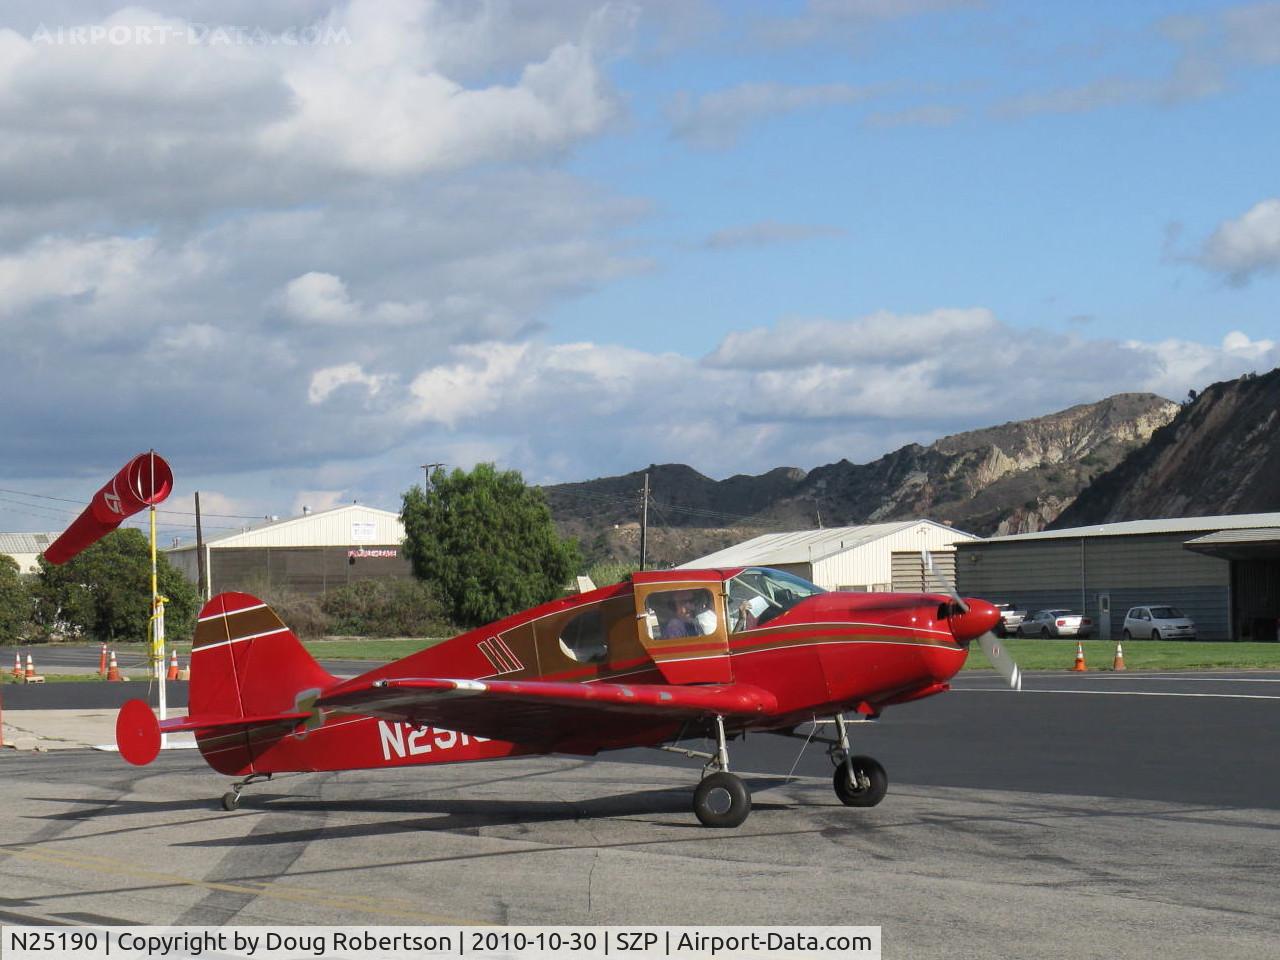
[(910, 576)]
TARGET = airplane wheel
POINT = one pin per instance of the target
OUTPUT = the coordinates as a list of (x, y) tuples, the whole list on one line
[(847, 789), (230, 801), (721, 800)]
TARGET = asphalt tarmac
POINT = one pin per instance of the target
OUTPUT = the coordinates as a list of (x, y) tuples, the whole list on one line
[(1127, 815)]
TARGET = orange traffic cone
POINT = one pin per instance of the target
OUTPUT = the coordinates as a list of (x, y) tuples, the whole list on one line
[(1118, 663), (31, 667), (113, 669), (17, 664), (1080, 665), (102, 661), (173, 667)]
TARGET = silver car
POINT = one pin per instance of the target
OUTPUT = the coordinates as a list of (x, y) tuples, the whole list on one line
[(1158, 622)]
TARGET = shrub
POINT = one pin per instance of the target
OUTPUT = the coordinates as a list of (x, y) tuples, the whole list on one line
[(385, 608)]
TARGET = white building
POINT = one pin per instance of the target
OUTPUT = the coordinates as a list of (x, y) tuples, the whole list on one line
[(873, 557), (309, 554), (26, 548)]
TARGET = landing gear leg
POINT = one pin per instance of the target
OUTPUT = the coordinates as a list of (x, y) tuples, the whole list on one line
[(721, 800), (858, 781), (231, 799)]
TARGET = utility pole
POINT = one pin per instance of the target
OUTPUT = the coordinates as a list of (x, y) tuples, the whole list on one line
[(426, 473), (200, 570), (644, 523)]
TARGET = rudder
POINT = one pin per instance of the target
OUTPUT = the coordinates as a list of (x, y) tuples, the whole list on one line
[(246, 663)]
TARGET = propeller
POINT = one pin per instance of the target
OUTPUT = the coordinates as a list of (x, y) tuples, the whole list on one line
[(990, 643)]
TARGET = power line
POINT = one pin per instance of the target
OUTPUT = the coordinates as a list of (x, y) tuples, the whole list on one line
[(177, 513)]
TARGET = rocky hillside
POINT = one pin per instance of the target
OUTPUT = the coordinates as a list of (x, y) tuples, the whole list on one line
[(1220, 454), (1016, 477)]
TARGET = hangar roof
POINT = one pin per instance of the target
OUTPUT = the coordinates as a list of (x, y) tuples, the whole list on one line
[(807, 546), (25, 542), (1130, 528), (341, 526)]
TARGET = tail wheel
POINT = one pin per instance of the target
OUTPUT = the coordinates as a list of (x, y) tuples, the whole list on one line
[(860, 782), (721, 800), (230, 801)]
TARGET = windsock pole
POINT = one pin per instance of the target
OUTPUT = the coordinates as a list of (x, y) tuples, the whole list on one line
[(157, 616)]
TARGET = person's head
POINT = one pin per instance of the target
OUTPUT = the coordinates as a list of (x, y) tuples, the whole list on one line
[(686, 605)]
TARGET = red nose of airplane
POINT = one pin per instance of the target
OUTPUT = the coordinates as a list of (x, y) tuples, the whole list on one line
[(980, 617)]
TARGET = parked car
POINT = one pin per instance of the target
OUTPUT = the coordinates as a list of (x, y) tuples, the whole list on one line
[(1158, 622), (1009, 619), (1056, 623)]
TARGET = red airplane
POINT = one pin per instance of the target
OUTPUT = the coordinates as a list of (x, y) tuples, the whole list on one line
[(648, 662)]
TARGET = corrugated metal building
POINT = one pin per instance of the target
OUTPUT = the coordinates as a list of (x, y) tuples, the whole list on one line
[(1200, 564), (25, 548), (872, 557), (307, 555)]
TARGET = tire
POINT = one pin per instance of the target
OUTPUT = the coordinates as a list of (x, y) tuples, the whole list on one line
[(1155, 634), (854, 796), (230, 801), (1127, 636), (721, 800), (1044, 633)]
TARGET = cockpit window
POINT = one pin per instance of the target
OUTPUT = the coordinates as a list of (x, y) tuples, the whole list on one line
[(758, 594)]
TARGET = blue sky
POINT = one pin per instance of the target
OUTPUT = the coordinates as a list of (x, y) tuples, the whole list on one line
[(302, 249)]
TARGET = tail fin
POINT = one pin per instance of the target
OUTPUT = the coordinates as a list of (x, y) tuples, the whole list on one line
[(246, 663)]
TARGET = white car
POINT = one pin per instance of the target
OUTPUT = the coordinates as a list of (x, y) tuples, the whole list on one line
[(1158, 622), (1010, 618), (1056, 623)]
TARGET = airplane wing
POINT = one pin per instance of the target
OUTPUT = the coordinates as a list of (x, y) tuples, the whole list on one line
[(543, 712)]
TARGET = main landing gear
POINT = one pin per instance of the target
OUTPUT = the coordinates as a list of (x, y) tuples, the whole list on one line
[(231, 799), (721, 799)]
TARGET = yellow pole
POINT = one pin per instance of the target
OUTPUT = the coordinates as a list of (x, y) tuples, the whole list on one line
[(157, 614)]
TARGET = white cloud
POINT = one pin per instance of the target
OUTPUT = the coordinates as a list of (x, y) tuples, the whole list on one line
[(144, 129), (880, 337), (1247, 245), (325, 382), (716, 120), (60, 267), (322, 298)]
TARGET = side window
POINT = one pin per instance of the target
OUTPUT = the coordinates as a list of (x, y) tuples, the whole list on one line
[(680, 613), (583, 638)]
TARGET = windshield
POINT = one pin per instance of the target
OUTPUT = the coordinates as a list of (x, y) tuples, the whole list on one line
[(1166, 613), (758, 594)]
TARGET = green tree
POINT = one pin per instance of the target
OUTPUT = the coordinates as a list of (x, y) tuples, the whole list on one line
[(485, 542), (15, 601), (104, 593)]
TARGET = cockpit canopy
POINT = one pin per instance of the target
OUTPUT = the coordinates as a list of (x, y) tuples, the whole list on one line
[(759, 594)]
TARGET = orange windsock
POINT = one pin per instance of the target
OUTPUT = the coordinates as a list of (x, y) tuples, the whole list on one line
[(143, 481)]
